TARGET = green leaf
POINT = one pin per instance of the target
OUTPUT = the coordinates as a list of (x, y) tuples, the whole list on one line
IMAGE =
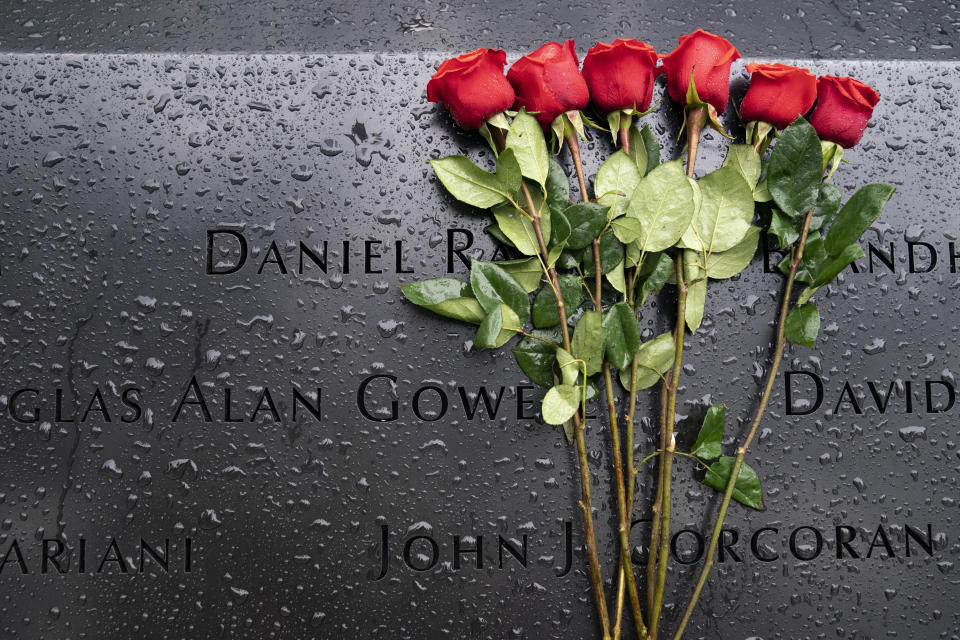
[(832, 156), (746, 161), (519, 229), (508, 171), (828, 202), (803, 325), (654, 357), (526, 140), (557, 187), (429, 292), (639, 153), (591, 390), (587, 220), (493, 286), (497, 328), (569, 366), (814, 255), (536, 357), (559, 236), (545, 312), (490, 329), (560, 404), (647, 141), (465, 309), (526, 271), (633, 256), (611, 254), (710, 438), (806, 294), (795, 169), (762, 192), (613, 124), (469, 183), (568, 260), (664, 202), (696, 304), (498, 235), (617, 278), (856, 216), (784, 228), (654, 281), (561, 229), (617, 178), (696, 281), (587, 343), (725, 214), (832, 267), (626, 228), (747, 489), (622, 335), (554, 256), (447, 297), (729, 263)]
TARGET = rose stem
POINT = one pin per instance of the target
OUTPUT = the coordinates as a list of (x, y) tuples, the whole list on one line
[(626, 561), (652, 553), (666, 469), (624, 525), (781, 343), (696, 119), (631, 479), (574, 144), (625, 122), (586, 505)]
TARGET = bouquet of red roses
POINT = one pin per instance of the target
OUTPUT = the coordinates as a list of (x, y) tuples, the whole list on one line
[(585, 268)]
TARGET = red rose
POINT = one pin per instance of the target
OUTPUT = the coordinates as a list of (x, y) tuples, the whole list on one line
[(778, 94), (844, 107), (620, 75), (709, 56), (472, 86), (548, 82)]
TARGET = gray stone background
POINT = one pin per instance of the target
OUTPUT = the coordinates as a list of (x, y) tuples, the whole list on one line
[(129, 129)]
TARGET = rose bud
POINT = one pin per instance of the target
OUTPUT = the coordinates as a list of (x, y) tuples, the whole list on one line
[(844, 107), (620, 75), (708, 57), (472, 86), (778, 94), (548, 82)]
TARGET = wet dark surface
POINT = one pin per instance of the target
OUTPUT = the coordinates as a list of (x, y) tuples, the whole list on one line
[(113, 168), (877, 29)]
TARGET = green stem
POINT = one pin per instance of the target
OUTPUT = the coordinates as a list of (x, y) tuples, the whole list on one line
[(653, 553), (527, 334), (598, 276), (696, 119), (625, 122), (626, 562), (659, 534), (574, 143), (586, 504), (669, 445), (631, 478), (781, 343)]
